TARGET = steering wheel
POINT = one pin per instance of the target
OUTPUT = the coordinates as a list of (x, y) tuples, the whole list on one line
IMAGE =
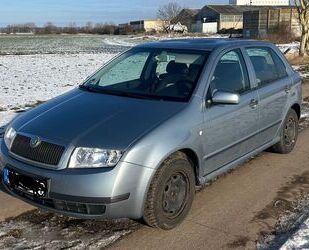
[(185, 86)]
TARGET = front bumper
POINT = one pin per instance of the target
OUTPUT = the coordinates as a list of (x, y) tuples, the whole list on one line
[(87, 193)]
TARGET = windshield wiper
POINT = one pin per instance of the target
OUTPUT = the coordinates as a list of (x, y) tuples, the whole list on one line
[(87, 87), (145, 96), (101, 90), (129, 94), (116, 92)]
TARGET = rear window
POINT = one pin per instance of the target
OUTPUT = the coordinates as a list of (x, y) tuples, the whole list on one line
[(267, 65)]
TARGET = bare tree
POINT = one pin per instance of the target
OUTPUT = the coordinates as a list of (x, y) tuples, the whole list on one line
[(105, 28), (72, 28), (89, 27), (50, 28), (169, 12), (20, 28), (302, 7)]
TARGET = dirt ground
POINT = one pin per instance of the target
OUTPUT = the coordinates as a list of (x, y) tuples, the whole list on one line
[(240, 208), (237, 209)]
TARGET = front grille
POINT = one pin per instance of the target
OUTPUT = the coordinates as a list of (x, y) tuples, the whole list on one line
[(45, 152)]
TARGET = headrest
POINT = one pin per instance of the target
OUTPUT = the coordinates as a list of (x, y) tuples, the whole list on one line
[(227, 69), (258, 62), (194, 67), (176, 68)]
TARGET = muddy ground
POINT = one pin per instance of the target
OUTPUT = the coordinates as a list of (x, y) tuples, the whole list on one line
[(290, 208), (40, 230)]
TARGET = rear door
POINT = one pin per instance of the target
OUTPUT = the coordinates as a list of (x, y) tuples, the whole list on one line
[(230, 129), (273, 84)]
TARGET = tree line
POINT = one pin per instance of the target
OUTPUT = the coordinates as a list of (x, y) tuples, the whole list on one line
[(72, 28), (165, 13)]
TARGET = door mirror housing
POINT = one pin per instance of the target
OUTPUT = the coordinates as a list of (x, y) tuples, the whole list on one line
[(222, 97)]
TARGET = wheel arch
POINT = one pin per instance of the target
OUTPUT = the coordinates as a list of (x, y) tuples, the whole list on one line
[(183, 153), (193, 158), (296, 107)]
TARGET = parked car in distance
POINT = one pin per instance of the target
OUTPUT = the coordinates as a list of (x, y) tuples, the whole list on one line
[(137, 137)]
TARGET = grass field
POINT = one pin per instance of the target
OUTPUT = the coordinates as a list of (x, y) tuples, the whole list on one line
[(59, 44)]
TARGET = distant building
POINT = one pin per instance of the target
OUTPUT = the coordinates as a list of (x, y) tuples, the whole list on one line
[(124, 28), (214, 18), (147, 25), (123, 25), (254, 20), (261, 2), (186, 17), (260, 23)]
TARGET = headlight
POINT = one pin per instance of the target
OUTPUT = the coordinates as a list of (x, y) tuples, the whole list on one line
[(94, 158), (9, 137)]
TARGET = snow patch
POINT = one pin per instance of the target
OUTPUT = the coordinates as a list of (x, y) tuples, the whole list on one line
[(303, 70), (118, 41), (28, 79), (300, 240), (5, 118), (294, 47), (41, 230)]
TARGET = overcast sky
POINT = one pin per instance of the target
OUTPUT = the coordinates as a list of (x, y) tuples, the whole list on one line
[(62, 12)]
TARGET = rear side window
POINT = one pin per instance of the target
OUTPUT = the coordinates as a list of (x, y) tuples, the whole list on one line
[(280, 67), (267, 65), (230, 74)]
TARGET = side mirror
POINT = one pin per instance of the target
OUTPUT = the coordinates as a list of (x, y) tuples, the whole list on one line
[(221, 97)]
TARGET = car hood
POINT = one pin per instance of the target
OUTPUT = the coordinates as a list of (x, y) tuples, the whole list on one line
[(95, 120)]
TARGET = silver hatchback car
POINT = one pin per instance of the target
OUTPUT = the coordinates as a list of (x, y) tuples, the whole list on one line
[(137, 137)]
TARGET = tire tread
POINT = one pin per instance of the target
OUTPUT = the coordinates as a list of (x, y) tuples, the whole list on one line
[(149, 210), (280, 148)]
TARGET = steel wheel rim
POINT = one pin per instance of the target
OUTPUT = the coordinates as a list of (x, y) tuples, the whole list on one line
[(289, 133), (175, 194)]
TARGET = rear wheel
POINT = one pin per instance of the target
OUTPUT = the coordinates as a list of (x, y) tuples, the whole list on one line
[(289, 134), (171, 193)]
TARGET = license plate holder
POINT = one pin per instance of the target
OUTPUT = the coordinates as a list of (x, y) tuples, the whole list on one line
[(25, 185)]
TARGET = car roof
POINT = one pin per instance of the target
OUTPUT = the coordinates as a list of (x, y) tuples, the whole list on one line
[(201, 43)]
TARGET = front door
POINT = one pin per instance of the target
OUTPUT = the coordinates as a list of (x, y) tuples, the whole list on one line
[(230, 129)]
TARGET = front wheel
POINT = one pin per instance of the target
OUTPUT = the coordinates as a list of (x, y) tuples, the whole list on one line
[(288, 135), (171, 193)]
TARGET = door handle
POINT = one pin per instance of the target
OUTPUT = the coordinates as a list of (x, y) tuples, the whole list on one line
[(254, 103)]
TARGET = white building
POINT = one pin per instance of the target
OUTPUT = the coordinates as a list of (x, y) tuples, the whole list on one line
[(261, 2)]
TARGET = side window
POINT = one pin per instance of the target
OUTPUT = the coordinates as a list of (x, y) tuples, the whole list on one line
[(267, 65), (230, 74), (280, 67)]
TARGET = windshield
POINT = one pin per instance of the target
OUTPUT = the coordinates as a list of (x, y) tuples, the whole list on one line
[(162, 74)]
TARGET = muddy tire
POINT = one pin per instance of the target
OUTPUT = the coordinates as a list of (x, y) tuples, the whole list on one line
[(171, 193), (288, 135)]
